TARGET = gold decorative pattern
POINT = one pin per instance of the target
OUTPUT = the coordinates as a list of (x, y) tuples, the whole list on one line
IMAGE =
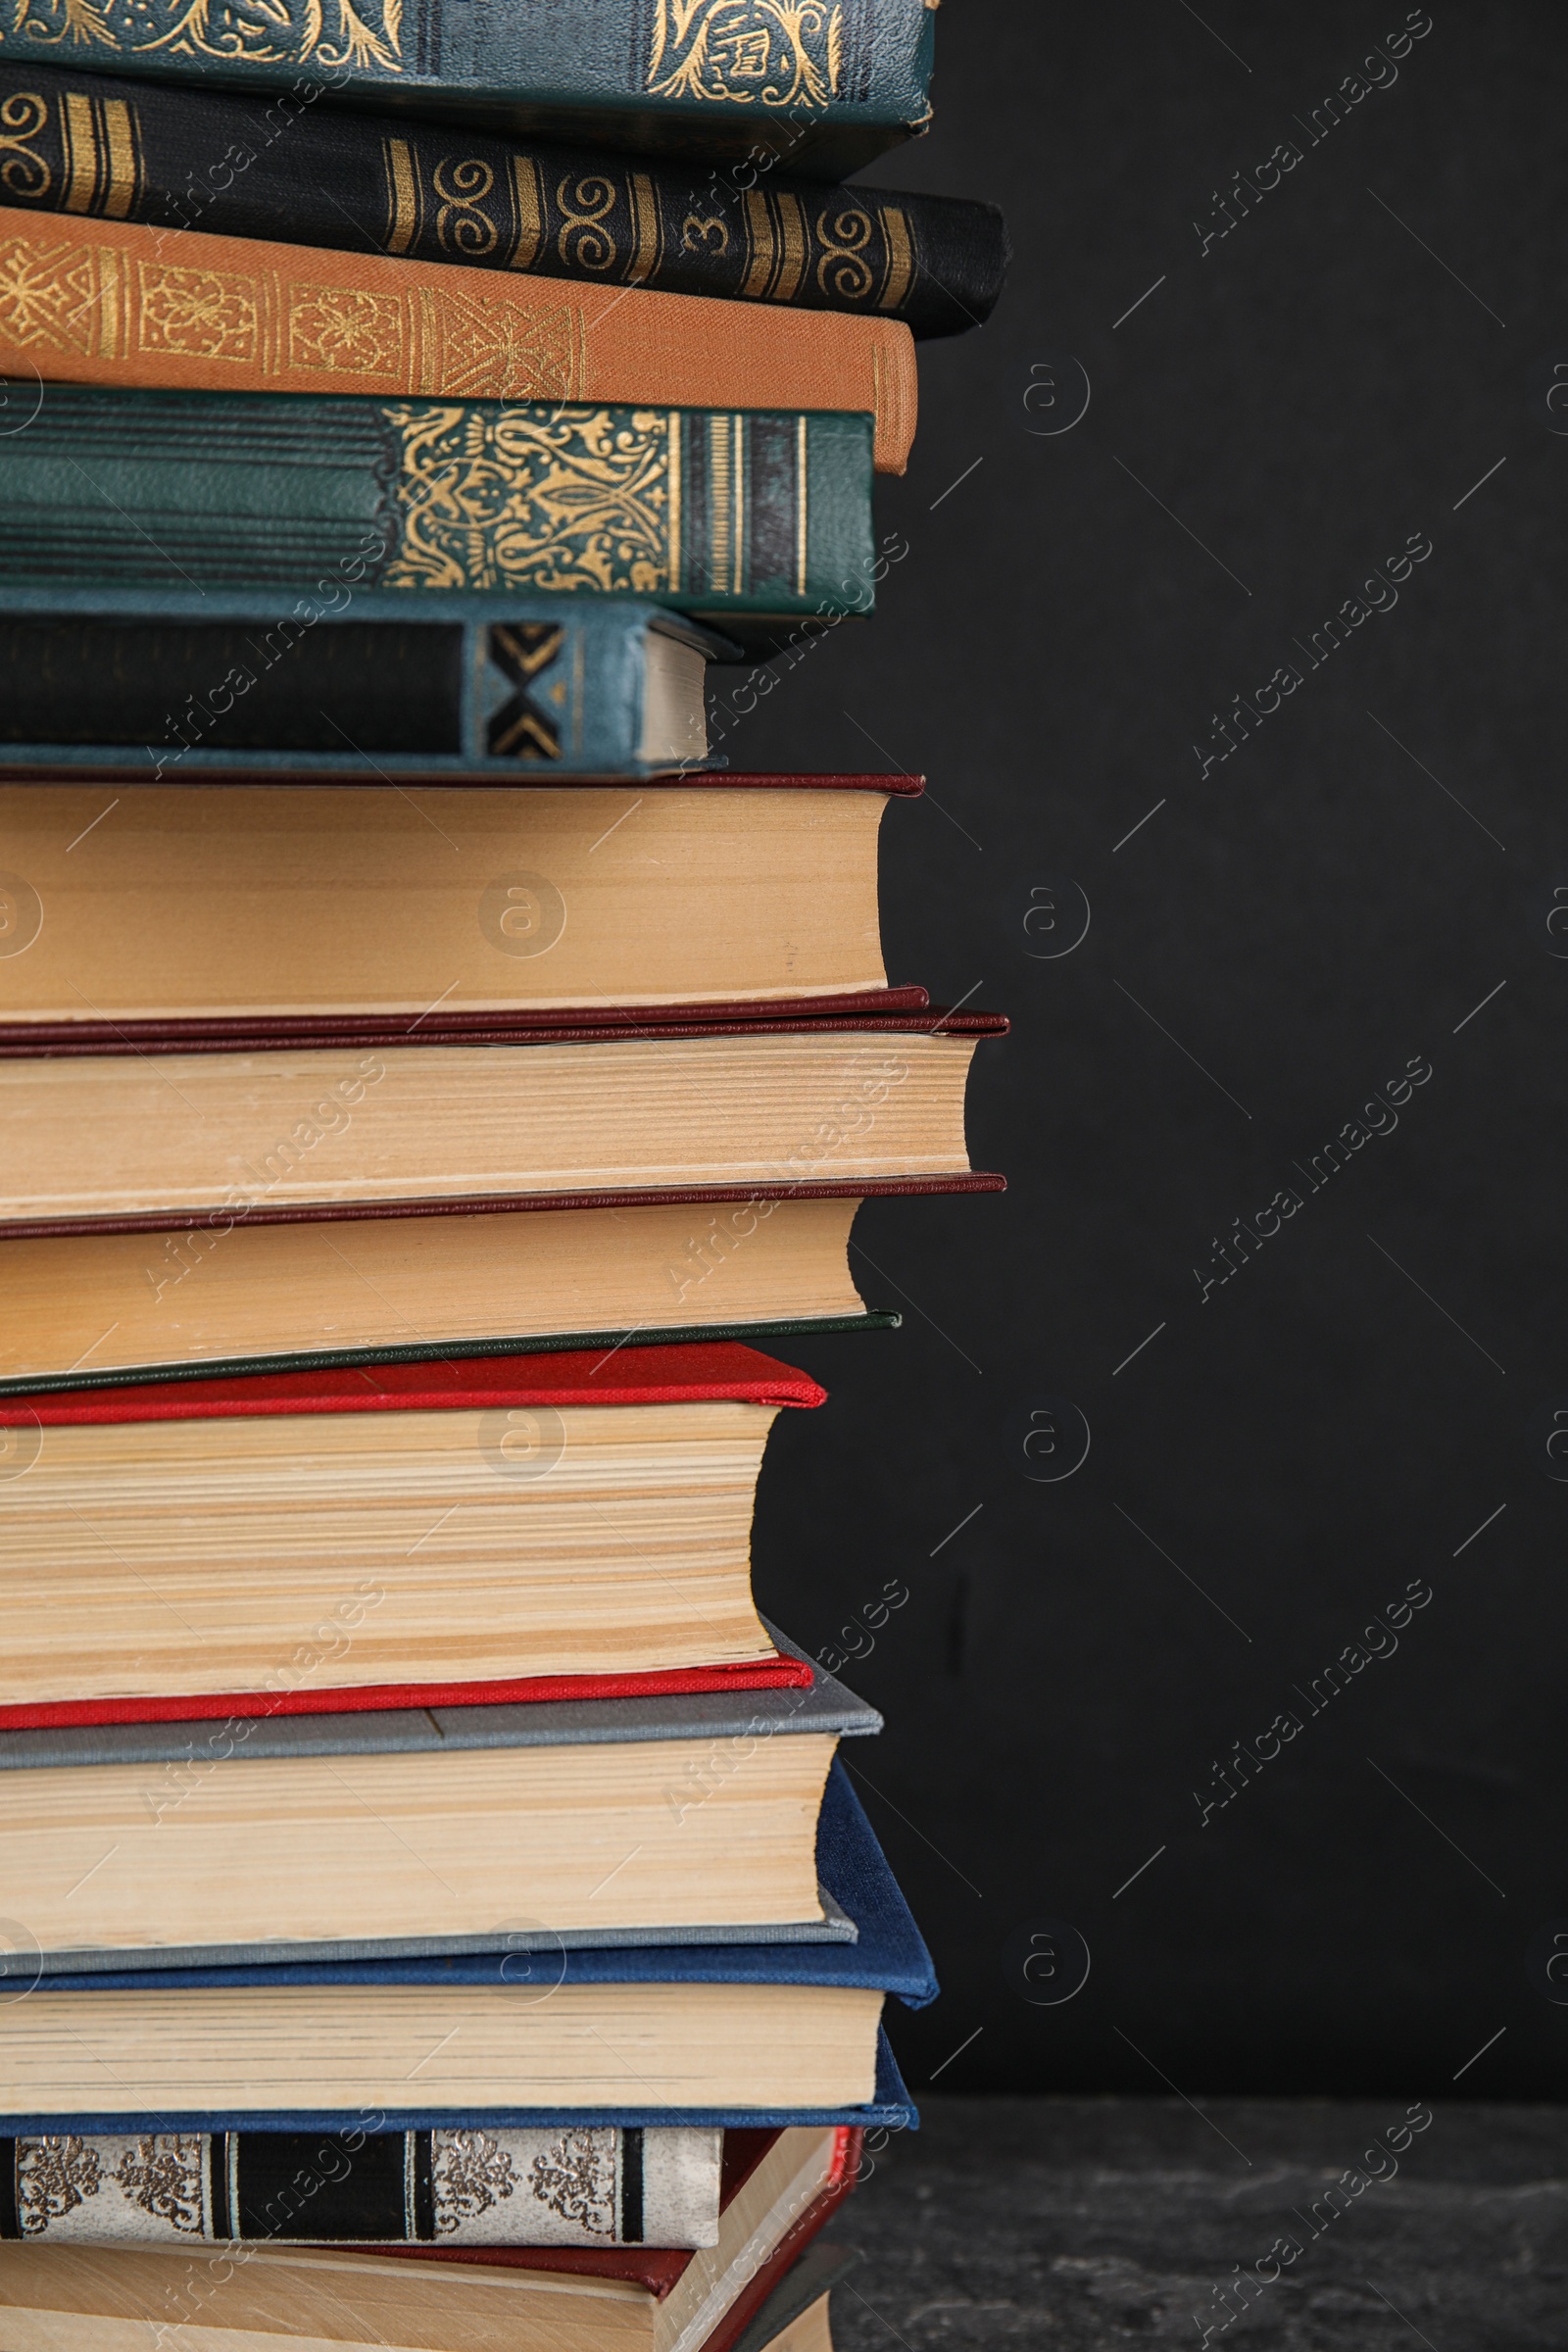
[(461, 227), (583, 241), (576, 2179), (362, 34), (23, 172), (521, 652), (494, 347), (346, 330), (470, 2171), (771, 53), (51, 297), (66, 301), (202, 313), (843, 270), (578, 499)]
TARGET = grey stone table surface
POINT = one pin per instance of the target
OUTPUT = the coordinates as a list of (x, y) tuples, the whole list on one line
[(1079, 2223)]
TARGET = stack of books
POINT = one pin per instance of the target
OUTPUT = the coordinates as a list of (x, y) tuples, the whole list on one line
[(437, 1916)]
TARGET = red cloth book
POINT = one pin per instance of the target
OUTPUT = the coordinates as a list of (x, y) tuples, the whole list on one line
[(723, 1371)]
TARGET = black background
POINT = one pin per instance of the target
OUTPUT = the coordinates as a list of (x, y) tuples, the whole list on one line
[(1279, 940)]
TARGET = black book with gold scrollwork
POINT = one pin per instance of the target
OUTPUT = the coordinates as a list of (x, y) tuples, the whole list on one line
[(294, 167)]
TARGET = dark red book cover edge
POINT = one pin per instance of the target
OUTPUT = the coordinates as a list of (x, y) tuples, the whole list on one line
[(697, 1196), (52, 1041), (659, 2269), (721, 1371), (679, 1681), (393, 1028)]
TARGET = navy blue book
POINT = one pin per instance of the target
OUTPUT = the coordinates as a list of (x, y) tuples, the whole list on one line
[(727, 2035)]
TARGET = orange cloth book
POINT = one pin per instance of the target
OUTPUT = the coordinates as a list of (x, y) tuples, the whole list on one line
[(109, 302)]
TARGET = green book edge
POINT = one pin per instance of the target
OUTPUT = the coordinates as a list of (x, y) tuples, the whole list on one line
[(663, 1335)]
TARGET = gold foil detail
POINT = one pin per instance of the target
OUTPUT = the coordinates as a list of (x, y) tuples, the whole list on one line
[(81, 152), (759, 230), (843, 271), (530, 217), (583, 242), (24, 174), (720, 492), (124, 178), (200, 313), (792, 264), (577, 498), (403, 210), (738, 503), (769, 53), (74, 301), (644, 229), (900, 258), (243, 32), (345, 330), (460, 225), (677, 520)]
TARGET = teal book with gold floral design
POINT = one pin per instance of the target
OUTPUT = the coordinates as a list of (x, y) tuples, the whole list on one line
[(714, 512), (828, 83)]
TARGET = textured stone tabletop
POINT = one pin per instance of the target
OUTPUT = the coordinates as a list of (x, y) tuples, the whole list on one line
[(1079, 2223)]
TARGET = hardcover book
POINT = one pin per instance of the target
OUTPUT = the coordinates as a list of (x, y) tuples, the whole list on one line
[(420, 1833), (725, 513), (687, 2035), (198, 1301), (115, 302), (296, 169), (829, 84), (412, 1535), (121, 1135), (595, 2187), (761, 2284), (199, 910), (163, 684)]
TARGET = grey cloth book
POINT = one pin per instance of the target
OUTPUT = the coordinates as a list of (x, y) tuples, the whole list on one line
[(181, 1759)]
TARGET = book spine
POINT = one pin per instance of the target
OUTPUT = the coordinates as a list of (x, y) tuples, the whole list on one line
[(715, 512), (110, 302), (162, 687), (291, 168), (830, 82), (598, 2185)]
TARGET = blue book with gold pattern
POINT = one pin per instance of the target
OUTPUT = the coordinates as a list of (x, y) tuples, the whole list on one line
[(724, 512), (828, 83)]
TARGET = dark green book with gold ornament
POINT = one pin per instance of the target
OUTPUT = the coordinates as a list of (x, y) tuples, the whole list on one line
[(829, 84), (729, 513)]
